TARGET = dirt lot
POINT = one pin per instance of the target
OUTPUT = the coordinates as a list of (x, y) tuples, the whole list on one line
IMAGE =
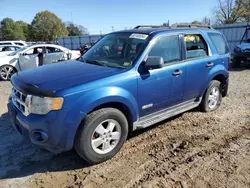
[(192, 150)]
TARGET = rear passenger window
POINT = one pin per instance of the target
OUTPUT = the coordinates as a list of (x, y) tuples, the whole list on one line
[(219, 43), (195, 46), (53, 50), (167, 47)]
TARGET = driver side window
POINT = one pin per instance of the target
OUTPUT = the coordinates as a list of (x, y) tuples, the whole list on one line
[(34, 51), (30, 51), (167, 47)]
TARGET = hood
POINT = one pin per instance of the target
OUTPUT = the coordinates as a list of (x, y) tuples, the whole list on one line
[(244, 46), (65, 74)]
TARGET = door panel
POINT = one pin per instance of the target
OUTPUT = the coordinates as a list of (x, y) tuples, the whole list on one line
[(160, 89), (28, 61), (197, 77), (198, 64), (52, 55), (29, 58)]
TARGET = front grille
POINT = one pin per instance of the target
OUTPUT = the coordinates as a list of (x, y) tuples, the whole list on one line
[(20, 100), (247, 50)]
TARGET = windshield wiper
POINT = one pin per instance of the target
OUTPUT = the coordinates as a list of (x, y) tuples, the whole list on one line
[(96, 62), (106, 64)]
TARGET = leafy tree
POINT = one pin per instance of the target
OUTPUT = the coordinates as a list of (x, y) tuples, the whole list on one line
[(24, 27), (165, 24), (46, 26), (244, 6), (231, 11), (75, 30), (196, 22), (11, 30)]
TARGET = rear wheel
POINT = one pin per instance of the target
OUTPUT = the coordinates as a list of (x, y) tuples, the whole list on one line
[(212, 98), (6, 71), (101, 135)]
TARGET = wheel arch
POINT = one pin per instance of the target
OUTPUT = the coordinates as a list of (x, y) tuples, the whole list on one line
[(97, 99), (119, 106)]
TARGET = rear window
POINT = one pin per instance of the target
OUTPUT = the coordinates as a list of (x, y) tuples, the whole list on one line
[(219, 42), (18, 43), (196, 47)]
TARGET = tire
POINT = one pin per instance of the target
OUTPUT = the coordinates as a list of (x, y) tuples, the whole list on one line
[(89, 130), (6, 71), (207, 100)]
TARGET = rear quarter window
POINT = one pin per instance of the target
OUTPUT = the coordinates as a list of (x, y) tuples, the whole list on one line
[(219, 43)]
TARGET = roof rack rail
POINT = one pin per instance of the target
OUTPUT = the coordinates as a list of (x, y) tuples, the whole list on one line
[(174, 26), (191, 26), (150, 26)]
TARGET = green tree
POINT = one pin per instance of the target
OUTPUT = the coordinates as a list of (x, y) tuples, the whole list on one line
[(196, 22), (232, 11), (244, 9), (46, 26), (11, 30), (24, 27), (73, 30)]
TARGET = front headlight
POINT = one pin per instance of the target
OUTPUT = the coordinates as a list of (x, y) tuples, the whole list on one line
[(43, 105)]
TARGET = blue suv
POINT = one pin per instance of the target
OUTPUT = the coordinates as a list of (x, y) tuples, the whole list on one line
[(128, 80)]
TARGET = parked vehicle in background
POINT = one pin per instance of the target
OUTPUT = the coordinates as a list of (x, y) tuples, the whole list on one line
[(241, 54), (92, 103), (83, 49), (18, 42), (27, 58), (7, 49)]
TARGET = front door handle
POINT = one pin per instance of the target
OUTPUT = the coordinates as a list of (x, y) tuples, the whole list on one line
[(177, 72), (210, 64)]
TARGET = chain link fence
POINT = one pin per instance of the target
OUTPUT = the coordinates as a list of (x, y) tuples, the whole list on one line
[(75, 42)]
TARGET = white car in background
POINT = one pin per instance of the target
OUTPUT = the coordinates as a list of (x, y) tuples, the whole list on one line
[(27, 58), (7, 49), (14, 42)]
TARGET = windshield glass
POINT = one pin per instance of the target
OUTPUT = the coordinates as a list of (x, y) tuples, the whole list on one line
[(18, 51), (118, 50)]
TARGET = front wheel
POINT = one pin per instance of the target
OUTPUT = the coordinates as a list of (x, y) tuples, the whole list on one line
[(6, 71), (101, 135), (212, 98)]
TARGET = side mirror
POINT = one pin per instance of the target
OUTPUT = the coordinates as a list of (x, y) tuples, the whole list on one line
[(154, 62)]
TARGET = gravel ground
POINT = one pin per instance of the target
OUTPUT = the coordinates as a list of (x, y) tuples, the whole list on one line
[(191, 150)]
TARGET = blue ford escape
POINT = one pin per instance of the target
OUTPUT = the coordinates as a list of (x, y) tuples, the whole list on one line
[(128, 80)]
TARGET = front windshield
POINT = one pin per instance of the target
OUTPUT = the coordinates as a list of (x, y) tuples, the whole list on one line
[(18, 51), (118, 50)]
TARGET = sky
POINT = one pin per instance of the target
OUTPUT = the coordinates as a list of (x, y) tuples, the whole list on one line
[(99, 16)]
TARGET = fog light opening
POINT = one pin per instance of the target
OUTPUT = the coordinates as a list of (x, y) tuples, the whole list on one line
[(39, 136)]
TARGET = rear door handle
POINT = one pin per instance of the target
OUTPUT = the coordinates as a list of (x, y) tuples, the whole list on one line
[(177, 72), (210, 64)]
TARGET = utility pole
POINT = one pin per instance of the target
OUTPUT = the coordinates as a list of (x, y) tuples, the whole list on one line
[(112, 28)]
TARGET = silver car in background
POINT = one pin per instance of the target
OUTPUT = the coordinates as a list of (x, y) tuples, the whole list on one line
[(27, 58)]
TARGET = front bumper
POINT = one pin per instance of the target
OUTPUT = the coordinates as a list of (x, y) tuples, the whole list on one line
[(242, 58), (50, 131)]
